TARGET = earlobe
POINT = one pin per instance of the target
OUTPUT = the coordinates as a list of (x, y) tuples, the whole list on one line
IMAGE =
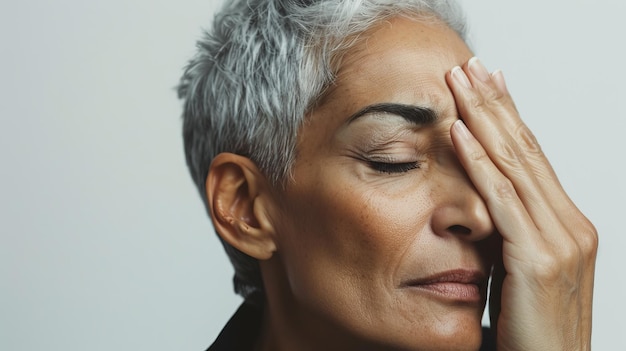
[(238, 196)]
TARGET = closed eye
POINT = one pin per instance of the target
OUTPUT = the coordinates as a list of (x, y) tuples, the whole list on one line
[(385, 167)]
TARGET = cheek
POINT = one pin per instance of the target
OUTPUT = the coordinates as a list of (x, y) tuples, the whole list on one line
[(353, 232)]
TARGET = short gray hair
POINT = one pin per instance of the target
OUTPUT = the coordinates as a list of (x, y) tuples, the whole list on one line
[(259, 71)]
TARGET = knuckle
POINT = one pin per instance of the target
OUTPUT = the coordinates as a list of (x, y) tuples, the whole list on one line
[(478, 155), (510, 152), (494, 96), (547, 266), (504, 190), (477, 103), (562, 264), (570, 253), (528, 140), (588, 239)]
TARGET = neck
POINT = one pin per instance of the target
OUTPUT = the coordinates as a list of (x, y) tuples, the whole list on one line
[(289, 324)]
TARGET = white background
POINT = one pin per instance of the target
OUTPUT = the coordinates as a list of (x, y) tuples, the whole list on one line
[(104, 243)]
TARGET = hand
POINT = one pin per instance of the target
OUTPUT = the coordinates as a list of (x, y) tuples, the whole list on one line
[(542, 287)]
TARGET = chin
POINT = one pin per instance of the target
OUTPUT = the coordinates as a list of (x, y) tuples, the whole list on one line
[(456, 335), (455, 330)]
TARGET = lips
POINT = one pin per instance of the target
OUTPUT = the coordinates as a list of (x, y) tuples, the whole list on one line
[(459, 285)]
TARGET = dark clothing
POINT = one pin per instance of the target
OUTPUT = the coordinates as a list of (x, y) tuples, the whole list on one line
[(242, 331)]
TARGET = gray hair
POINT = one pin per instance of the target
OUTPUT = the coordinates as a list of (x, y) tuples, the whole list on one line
[(260, 70)]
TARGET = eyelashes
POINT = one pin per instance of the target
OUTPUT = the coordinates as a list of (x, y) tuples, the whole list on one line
[(390, 168)]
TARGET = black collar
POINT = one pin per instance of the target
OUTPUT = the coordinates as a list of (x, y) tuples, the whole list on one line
[(242, 330)]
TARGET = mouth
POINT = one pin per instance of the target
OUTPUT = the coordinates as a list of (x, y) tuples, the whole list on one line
[(459, 285)]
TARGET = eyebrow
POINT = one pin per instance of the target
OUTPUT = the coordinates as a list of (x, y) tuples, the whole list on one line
[(415, 114)]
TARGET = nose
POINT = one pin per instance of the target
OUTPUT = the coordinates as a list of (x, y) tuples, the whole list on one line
[(460, 209)]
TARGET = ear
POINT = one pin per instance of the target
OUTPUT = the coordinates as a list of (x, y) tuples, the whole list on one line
[(238, 195)]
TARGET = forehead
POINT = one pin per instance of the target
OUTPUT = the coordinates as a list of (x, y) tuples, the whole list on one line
[(400, 60)]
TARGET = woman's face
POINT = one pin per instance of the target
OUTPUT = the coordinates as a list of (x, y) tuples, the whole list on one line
[(381, 236)]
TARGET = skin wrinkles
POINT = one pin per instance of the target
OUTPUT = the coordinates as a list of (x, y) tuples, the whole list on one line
[(389, 137), (349, 235), (363, 250), (374, 134), (380, 140)]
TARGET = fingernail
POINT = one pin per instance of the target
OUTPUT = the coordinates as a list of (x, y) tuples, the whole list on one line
[(498, 78), (460, 77), (462, 129), (478, 70)]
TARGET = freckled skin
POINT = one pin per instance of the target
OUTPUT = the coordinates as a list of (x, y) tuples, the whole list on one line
[(348, 235)]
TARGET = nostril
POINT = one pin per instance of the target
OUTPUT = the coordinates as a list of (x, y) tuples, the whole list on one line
[(459, 229)]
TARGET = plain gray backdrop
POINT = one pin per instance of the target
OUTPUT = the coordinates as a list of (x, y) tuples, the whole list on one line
[(104, 242)]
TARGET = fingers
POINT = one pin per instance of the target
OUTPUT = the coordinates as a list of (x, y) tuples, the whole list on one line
[(507, 209), (492, 88), (488, 114), (488, 110), (549, 247)]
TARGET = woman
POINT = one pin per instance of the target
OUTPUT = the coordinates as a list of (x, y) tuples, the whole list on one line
[(367, 175)]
